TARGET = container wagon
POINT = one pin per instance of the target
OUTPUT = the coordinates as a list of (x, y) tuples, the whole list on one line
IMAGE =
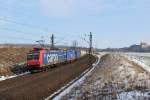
[(40, 59)]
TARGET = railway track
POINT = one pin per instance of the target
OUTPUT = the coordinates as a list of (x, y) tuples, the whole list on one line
[(38, 86)]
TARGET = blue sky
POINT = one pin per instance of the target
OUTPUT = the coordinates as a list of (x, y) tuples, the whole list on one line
[(114, 23)]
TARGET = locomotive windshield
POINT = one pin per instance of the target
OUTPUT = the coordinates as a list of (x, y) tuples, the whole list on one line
[(33, 56)]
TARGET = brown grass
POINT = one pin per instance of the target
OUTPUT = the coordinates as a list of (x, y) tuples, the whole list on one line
[(10, 56)]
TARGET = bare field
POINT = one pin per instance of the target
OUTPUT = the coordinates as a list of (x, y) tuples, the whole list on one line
[(115, 78)]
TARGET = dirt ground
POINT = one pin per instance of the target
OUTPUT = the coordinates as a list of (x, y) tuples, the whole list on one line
[(38, 86)]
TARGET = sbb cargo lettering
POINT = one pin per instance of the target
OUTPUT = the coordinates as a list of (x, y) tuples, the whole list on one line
[(40, 59), (52, 58)]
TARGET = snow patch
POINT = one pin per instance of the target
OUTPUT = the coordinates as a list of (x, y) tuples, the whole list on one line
[(143, 61), (2, 78), (133, 95)]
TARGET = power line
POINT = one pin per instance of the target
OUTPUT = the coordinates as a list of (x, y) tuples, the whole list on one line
[(30, 26), (17, 31), (24, 24), (41, 42), (68, 34), (6, 5), (33, 26), (85, 40)]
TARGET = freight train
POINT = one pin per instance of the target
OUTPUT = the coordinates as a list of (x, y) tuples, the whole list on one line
[(40, 59)]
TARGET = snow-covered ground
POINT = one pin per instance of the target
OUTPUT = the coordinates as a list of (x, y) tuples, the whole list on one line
[(134, 95), (2, 78), (117, 76), (138, 54), (142, 59)]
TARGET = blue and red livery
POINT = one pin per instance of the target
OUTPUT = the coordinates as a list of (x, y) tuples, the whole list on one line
[(39, 58)]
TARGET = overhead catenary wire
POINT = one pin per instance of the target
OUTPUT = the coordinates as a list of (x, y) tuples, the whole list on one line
[(35, 27), (24, 24), (8, 7), (17, 31), (63, 41), (30, 26), (5, 5), (58, 41), (11, 19), (44, 29)]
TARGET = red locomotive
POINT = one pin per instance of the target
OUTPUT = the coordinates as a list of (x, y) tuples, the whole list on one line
[(40, 59)]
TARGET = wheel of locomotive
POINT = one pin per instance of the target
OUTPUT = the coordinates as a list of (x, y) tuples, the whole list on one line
[(31, 71), (44, 69), (47, 68)]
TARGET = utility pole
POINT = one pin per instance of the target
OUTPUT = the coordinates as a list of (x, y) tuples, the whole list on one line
[(74, 45), (52, 41), (91, 43), (90, 48)]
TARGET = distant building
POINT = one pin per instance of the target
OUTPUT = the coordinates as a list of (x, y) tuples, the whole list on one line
[(144, 45)]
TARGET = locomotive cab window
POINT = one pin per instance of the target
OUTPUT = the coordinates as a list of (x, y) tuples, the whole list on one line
[(33, 56)]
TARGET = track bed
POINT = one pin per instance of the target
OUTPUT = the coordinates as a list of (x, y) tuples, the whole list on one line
[(38, 86)]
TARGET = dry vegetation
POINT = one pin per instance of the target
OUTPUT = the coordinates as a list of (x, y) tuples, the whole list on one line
[(11, 56), (114, 75)]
